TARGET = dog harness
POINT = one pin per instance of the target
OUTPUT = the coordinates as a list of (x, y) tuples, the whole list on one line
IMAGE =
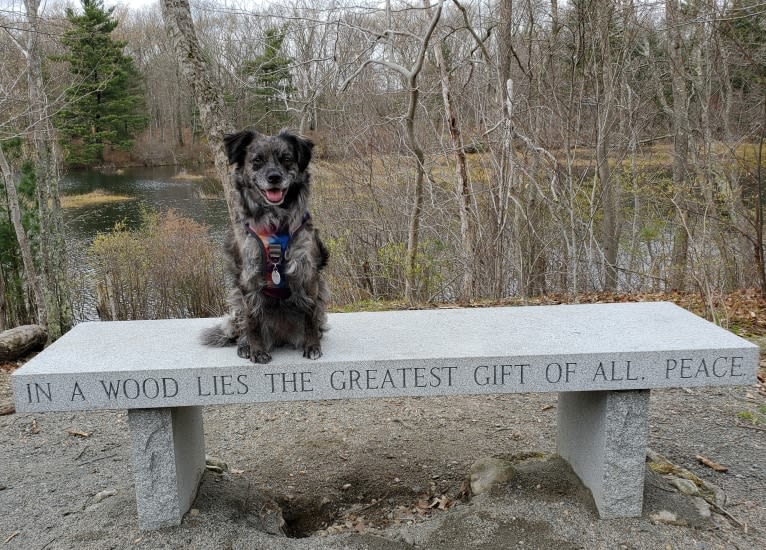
[(274, 243)]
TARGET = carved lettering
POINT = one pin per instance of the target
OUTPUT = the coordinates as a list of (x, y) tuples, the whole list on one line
[(720, 367), (39, 393), (499, 375), (554, 372), (290, 382), (77, 392), (406, 377), (132, 388)]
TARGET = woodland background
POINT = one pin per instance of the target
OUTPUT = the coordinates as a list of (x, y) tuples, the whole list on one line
[(467, 151)]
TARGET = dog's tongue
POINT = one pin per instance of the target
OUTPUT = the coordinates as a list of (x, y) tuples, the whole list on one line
[(274, 195)]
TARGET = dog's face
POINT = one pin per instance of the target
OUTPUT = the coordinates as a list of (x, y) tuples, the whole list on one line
[(270, 169)]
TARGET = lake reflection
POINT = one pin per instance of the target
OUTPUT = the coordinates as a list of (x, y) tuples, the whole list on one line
[(159, 189)]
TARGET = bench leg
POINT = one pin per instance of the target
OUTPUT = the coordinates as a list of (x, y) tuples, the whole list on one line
[(168, 448), (602, 434)]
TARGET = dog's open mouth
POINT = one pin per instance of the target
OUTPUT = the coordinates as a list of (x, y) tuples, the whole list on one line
[(274, 196)]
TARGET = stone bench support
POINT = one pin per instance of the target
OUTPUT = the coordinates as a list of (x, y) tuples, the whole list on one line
[(168, 450), (602, 435), (602, 360)]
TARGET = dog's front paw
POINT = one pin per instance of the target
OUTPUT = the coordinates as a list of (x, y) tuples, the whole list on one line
[(243, 350), (312, 351), (260, 356)]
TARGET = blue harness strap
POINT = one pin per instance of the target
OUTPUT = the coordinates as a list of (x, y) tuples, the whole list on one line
[(274, 244)]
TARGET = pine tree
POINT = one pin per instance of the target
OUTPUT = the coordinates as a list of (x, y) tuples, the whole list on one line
[(269, 74), (106, 104)]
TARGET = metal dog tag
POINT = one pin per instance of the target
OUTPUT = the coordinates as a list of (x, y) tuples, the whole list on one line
[(276, 278)]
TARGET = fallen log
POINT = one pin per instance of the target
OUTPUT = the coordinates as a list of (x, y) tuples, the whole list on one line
[(19, 341)]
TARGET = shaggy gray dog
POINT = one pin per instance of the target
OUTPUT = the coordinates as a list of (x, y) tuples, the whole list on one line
[(274, 257)]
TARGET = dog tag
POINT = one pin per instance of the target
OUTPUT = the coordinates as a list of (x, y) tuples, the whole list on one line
[(276, 278)]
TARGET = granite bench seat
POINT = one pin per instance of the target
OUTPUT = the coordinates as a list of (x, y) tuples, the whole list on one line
[(602, 359)]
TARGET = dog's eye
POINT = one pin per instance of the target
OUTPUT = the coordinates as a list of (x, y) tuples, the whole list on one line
[(287, 158), (258, 160)]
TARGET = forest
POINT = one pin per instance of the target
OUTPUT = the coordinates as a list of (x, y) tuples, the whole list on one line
[(467, 151)]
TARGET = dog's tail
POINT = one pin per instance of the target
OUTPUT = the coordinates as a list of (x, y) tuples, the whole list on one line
[(220, 335)]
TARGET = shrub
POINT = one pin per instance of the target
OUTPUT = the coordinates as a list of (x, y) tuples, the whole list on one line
[(167, 268)]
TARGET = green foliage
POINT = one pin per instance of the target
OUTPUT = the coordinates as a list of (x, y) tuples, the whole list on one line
[(18, 309), (430, 263), (269, 76), (751, 417), (106, 103), (168, 268)]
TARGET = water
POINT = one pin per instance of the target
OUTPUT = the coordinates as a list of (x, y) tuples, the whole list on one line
[(156, 189), (159, 189)]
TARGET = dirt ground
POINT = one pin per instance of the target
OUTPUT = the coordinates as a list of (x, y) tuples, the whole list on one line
[(384, 474)]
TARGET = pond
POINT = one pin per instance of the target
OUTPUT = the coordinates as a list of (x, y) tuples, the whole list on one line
[(193, 196)]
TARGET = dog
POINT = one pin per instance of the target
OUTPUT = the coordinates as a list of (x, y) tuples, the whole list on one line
[(274, 257)]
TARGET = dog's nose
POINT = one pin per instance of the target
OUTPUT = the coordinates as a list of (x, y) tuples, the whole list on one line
[(274, 177)]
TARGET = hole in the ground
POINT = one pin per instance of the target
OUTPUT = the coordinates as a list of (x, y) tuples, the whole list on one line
[(305, 517)]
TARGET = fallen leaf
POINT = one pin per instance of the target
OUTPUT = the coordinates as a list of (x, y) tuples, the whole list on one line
[(236, 471), (35, 428), (78, 433), (712, 464), (11, 537), (422, 505), (441, 503), (547, 408)]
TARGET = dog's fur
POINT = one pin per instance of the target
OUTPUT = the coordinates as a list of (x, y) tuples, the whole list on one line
[(267, 168)]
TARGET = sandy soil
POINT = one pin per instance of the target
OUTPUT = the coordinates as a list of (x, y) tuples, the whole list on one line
[(382, 474)]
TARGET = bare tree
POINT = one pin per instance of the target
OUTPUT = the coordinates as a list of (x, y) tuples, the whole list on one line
[(410, 77), (680, 125), (198, 74), (463, 187)]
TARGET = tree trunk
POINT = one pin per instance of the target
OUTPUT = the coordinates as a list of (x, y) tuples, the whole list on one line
[(680, 252), (413, 232), (19, 341), (32, 275), (47, 172), (195, 70), (463, 191), (610, 192)]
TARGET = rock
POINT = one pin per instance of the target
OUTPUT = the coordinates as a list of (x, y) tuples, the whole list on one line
[(215, 465), (665, 516), (686, 486), (702, 507), (487, 472)]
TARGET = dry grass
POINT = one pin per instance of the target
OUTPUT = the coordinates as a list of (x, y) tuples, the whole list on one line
[(183, 175), (94, 198)]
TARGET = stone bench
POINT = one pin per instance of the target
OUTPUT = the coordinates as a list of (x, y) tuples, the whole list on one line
[(602, 359)]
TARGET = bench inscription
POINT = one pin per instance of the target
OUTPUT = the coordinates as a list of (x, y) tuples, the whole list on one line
[(327, 381)]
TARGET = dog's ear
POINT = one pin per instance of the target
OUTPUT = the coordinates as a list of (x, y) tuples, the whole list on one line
[(236, 145), (302, 148)]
